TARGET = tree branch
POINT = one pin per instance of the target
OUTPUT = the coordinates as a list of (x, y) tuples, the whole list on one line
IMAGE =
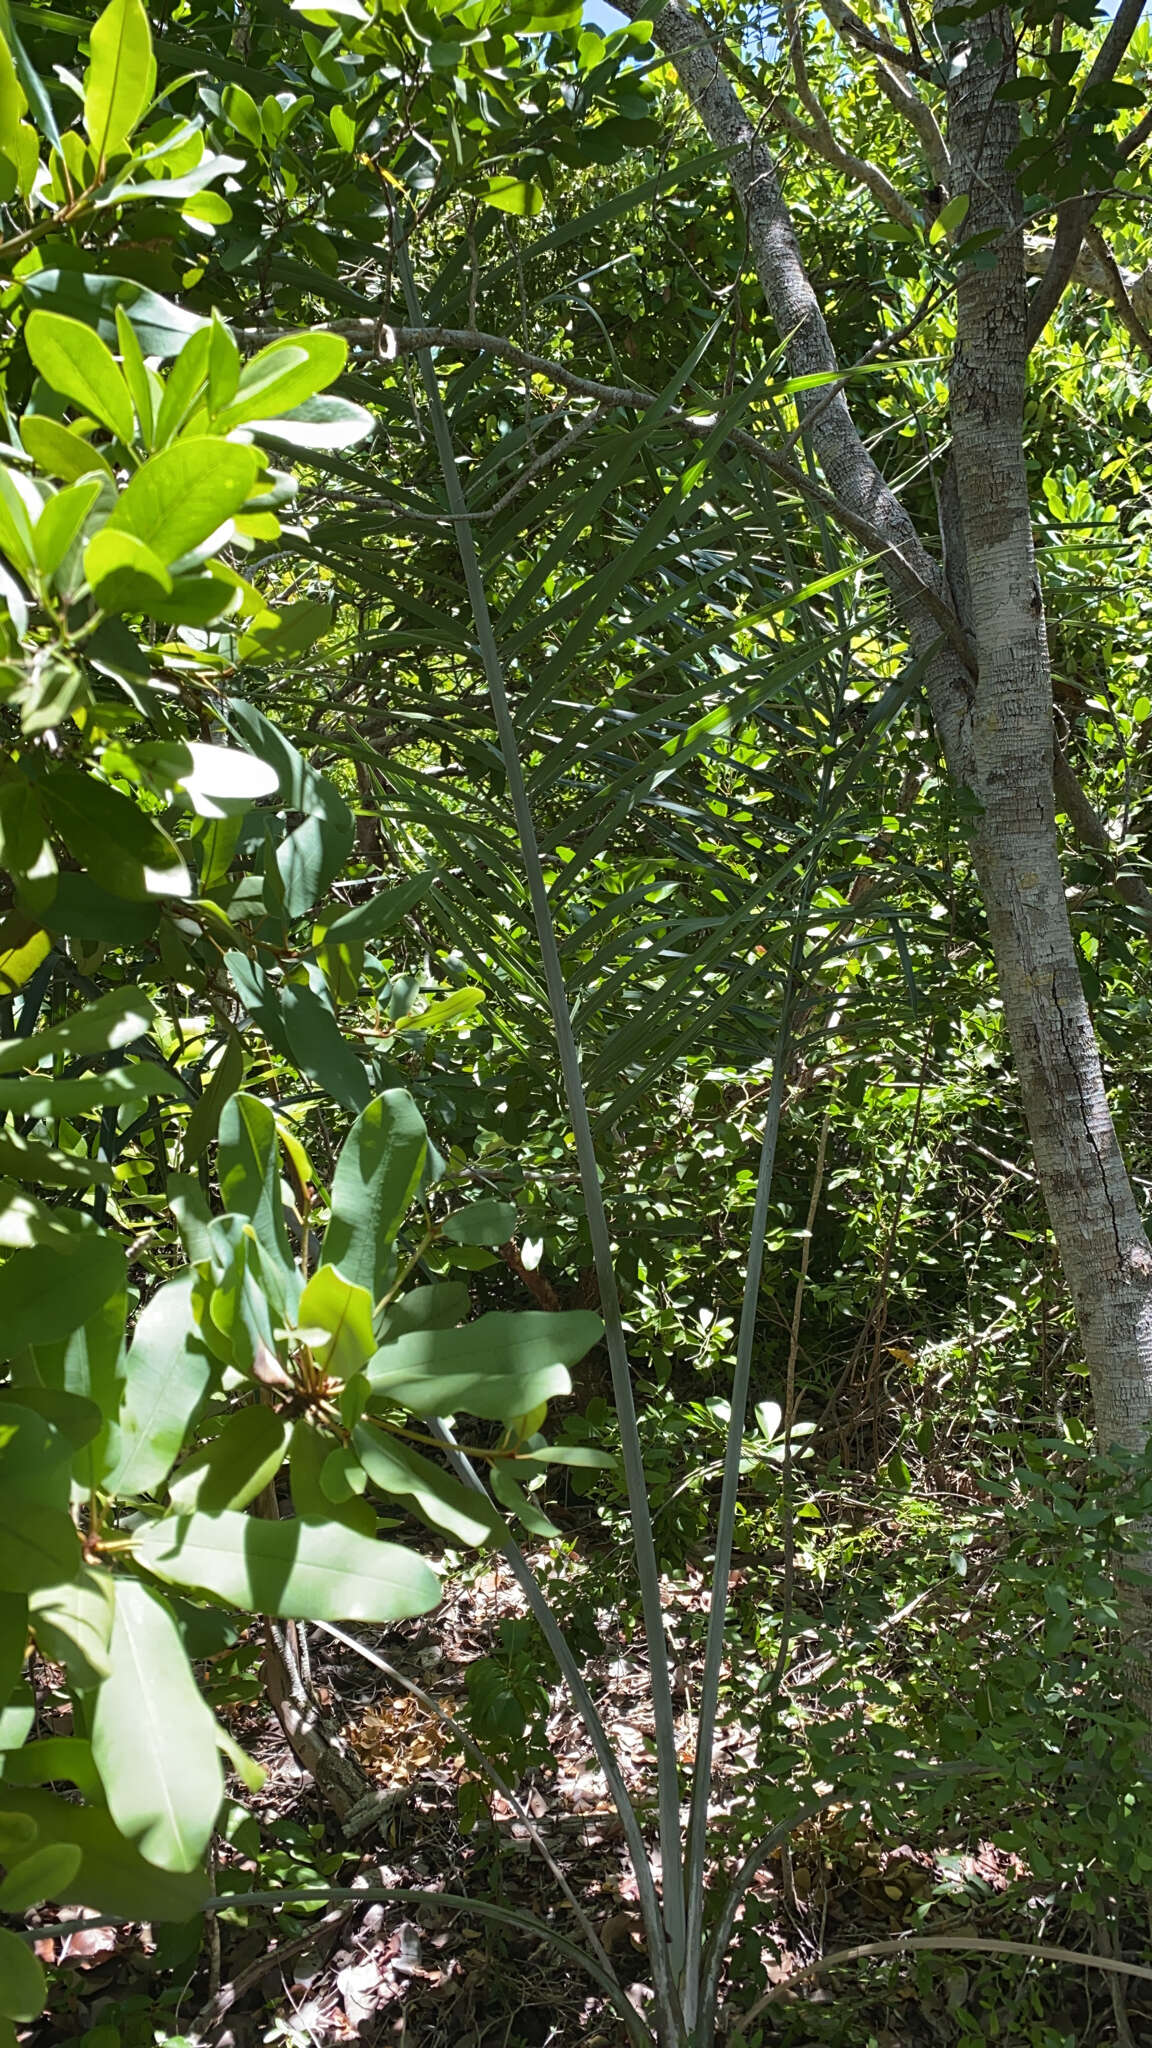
[(1074, 217), (906, 100)]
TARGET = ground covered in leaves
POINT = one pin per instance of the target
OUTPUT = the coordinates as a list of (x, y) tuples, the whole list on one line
[(427, 1971)]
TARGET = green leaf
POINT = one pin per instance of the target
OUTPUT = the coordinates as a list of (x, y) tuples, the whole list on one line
[(167, 1376), (153, 1737), (132, 855), (511, 1495), (236, 1466), (401, 1472), (179, 497), (76, 363), (282, 376), (23, 1990), (220, 782), (13, 1640), (61, 520), (42, 1095), (332, 1303), (121, 77), (160, 327), (498, 1367), (485, 1222), (39, 1545), (322, 423), (438, 1307), (123, 573), (312, 855), (249, 1169), (45, 1874), (54, 1760), (60, 452), (26, 1159), (320, 1049), (296, 1570), (949, 217), (136, 375), (204, 1121), (111, 1021), (72, 1624), (113, 1877), (514, 195), (49, 1291), (377, 1174), (379, 914), (307, 1462)]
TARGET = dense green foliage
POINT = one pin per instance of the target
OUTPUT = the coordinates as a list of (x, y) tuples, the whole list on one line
[(288, 1173)]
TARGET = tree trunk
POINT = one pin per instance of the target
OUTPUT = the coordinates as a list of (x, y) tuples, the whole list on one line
[(1103, 1247), (996, 734)]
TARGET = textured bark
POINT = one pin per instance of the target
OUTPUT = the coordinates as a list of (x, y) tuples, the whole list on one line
[(998, 736), (1103, 1247)]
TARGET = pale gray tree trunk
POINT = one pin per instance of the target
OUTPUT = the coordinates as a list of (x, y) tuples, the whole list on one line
[(1098, 1228), (993, 715)]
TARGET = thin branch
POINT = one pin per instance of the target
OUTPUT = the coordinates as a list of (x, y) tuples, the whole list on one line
[(821, 138), (1118, 291), (848, 24), (905, 98), (1074, 217), (1040, 1951), (902, 560)]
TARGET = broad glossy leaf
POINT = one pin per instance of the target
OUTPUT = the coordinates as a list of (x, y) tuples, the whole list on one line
[(438, 1307), (56, 1759), (313, 854), (93, 296), (379, 914), (153, 1737), (498, 1367), (236, 1466), (485, 1222), (112, 1021), (23, 1989), (282, 376), (59, 451), (321, 423), (45, 1874), (43, 1095), (124, 573), (61, 520), (223, 782), (377, 1176), (168, 1373), (39, 1545), (77, 364), (307, 1461), (332, 1303), (297, 1570), (27, 1159), (180, 496), (222, 1085), (48, 1291), (72, 1417), (121, 77), (113, 1876), (320, 1049), (398, 1470), (130, 853), (249, 1168), (72, 1624)]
